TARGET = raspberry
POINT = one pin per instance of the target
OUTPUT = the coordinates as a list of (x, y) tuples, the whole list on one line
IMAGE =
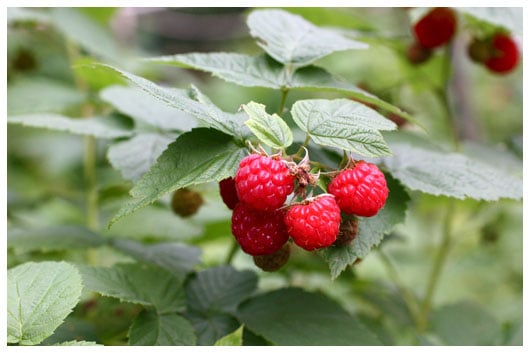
[(361, 191), (274, 261), (315, 223), (479, 50), (263, 182), (436, 28), (258, 232), (504, 55), (418, 54), (186, 202), (349, 228), (227, 189)]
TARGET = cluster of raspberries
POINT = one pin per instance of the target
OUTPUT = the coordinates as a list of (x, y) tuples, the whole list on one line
[(262, 222), (498, 52)]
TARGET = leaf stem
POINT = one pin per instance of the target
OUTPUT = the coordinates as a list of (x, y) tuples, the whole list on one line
[(443, 95), (436, 270)]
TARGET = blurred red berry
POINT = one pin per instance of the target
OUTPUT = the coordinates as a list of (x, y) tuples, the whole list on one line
[(436, 28), (504, 56)]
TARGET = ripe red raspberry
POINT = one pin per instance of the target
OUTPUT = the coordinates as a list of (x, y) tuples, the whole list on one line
[(258, 232), (227, 189), (436, 28), (263, 182), (504, 55), (315, 223), (361, 191)]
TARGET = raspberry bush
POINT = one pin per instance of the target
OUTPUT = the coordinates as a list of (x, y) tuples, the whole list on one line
[(348, 168)]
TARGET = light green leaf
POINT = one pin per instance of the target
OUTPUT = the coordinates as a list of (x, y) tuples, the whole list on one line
[(100, 127), (89, 34), (137, 283), (199, 156), (209, 114), (39, 297), (439, 172), (294, 317), (134, 157), (26, 14), (213, 296), (510, 18), (51, 238), (466, 324), (292, 40), (142, 106), (152, 329), (270, 129), (371, 230), (262, 71), (232, 339), (41, 95), (343, 124), (78, 343), (178, 259)]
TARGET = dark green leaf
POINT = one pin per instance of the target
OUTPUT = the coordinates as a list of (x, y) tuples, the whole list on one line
[(466, 324), (371, 230), (292, 40), (52, 238), (213, 296), (137, 283), (142, 106), (100, 127), (134, 157), (343, 124), (292, 316), (270, 129), (178, 259), (39, 297), (208, 113), (197, 157), (152, 329)]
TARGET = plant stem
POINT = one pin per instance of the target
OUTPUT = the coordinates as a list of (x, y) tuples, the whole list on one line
[(436, 270), (285, 92), (443, 95), (232, 253), (410, 300)]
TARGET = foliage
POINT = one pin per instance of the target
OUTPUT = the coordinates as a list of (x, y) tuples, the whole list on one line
[(95, 256)]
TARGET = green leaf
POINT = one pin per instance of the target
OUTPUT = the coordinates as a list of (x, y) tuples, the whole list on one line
[(232, 339), (134, 157), (143, 107), (100, 127), (343, 124), (213, 296), (209, 114), (51, 238), (137, 283), (152, 329), (437, 172), (292, 40), (262, 71), (41, 95), (39, 297), (510, 18), (77, 343), (294, 317), (87, 33), (270, 129), (26, 14), (466, 324), (199, 156), (178, 259), (372, 230)]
